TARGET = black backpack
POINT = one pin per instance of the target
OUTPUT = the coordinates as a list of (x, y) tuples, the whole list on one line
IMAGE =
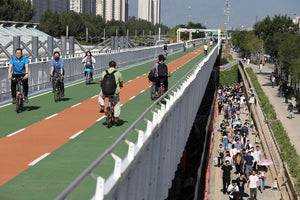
[(109, 84), (151, 75), (162, 70)]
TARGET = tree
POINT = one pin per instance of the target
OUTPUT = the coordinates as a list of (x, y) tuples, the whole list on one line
[(271, 30), (16, 10)]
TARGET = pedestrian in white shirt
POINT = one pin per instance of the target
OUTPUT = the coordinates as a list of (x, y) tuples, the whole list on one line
[(253, 184), (233, 187)]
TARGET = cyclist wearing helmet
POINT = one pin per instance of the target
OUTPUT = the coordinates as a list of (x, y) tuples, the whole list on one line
[(162, 72), (18, 67)]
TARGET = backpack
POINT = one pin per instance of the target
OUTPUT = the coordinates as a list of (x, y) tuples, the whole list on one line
[(151, 75), (162, 70), (109, 84)]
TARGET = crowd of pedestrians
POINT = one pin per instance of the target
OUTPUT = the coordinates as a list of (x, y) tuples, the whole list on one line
[(237, 156)]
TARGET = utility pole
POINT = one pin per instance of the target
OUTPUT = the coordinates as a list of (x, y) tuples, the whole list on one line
[(226, 17), (190, 13)]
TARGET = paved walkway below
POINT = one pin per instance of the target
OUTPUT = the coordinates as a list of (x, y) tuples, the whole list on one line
[(216, 183), (292, 126)]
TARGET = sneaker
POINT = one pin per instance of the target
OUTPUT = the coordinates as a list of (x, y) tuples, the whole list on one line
[(14, 101), (102, 109), (26, 99)]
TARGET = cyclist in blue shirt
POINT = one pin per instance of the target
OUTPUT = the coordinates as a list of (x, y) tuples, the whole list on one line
[(57, 69), (18, 67)]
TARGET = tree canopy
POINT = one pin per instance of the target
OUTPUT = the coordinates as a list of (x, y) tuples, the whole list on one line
[(272, 32), (16, 10), (55, 25)]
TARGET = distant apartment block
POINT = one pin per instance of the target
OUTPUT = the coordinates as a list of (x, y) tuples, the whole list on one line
[(113, 9), (83, 6), (149, 10), (42, 6)]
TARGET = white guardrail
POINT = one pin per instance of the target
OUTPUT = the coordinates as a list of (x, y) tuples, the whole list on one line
[(147, 171)]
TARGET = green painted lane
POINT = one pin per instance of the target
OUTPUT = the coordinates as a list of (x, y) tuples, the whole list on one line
[(44, 106), (50, 176)]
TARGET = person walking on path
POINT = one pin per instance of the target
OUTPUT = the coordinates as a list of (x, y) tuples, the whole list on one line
[(290, 109), (226, 175), (233, 187), (286, 95), (273, 81), (262, 170), (253, 184), (249, 163)]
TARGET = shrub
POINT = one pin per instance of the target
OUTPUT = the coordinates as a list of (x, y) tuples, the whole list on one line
[(288, 151), (230, 76)]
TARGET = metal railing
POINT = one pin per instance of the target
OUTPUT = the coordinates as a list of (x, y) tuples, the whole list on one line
[(146, 172), (268, 140), (39, 71)]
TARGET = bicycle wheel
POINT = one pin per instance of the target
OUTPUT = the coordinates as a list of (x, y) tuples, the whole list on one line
[(19, 103), (108, 118), (87, 78), (56, 92), (152, 92)]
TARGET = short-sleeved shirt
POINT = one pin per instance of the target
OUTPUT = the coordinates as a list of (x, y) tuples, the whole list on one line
[(241, 183), (19, 66), (226, 170), (249, 160), (118, 78), (253, 181), (57, 65)]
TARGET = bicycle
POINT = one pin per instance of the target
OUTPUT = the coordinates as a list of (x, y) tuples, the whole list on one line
[(160, 92), (109, 113), (56, 87), (19, 94), (88, 75)]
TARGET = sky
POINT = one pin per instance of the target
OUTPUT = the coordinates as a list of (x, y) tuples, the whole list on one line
[(211, 12)]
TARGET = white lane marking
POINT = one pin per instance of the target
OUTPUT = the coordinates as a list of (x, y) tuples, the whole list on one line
[(100, 118), (132, 97), (16, 132), (51, 116), (39, 159), (129, 81), (137, 77), (121, 105), (142, 91), (75, 135), (94, 96), (76, 105)]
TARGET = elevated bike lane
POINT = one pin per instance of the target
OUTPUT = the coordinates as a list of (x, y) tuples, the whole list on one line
[(38, 140)]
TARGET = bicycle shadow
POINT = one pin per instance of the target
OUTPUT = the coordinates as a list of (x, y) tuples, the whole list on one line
[(64, 99), (119, 123), (30, 108)]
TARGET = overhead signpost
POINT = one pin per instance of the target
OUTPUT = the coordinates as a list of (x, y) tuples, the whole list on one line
[(191, 31)]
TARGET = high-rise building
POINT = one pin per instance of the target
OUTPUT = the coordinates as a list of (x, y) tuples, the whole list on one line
[(40, 6), (83, 6), (99, 7), (76, 6), (149, 10), (115, 10)]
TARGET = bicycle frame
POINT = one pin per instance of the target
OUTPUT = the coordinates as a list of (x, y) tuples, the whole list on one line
[(88, 75), (109, 113), (56, 87), (19, 94)]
